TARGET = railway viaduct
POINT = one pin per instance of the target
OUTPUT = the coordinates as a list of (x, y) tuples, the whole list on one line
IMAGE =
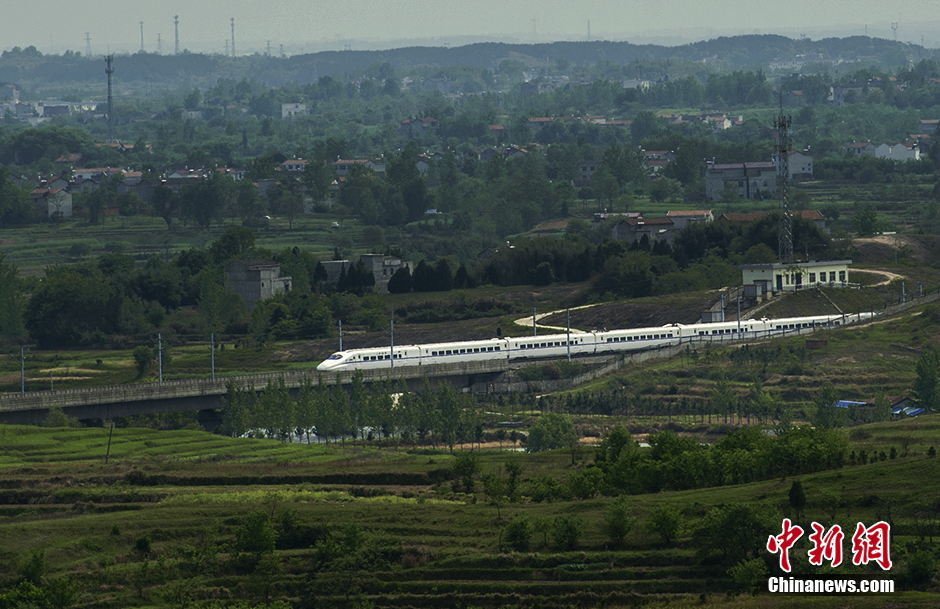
[(109, 401), (204, 395)]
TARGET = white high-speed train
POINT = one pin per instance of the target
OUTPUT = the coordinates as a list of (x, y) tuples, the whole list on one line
[(580, 343)]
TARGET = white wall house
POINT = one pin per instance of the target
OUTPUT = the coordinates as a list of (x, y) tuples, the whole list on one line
[(779, 277)]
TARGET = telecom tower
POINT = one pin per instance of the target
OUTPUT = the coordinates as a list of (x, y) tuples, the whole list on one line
[(109, 70), (785, 232), (233, 36), (87, 45), (141, 36), (176, 28)]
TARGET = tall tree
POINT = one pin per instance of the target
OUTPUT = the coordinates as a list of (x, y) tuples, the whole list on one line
[(11, 301)]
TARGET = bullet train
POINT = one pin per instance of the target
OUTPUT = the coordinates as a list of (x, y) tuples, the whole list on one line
[(579, 343)]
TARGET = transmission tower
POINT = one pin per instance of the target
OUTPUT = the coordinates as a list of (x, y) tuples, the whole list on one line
[(87, 45), (233, 36), (159, 43), (176, 28), (785, 231), (109, 70), (141, 36)]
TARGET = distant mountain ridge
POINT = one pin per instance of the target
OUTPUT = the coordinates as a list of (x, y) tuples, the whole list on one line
[(735, 52)]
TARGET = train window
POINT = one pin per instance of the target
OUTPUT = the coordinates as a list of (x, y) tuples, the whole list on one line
[(497, 348)]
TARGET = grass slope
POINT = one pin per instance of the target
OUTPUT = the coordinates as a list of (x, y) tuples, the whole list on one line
[(157, 524)]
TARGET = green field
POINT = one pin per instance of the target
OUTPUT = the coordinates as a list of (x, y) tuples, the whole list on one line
[(160, 524)]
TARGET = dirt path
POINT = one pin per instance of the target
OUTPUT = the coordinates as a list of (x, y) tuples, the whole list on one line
[(887, 275), (527, 321)]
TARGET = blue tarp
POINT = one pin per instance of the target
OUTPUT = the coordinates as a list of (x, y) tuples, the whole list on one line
[(847, 403)]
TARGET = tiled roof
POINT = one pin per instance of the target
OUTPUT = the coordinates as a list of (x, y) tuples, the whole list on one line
[(688, 213)]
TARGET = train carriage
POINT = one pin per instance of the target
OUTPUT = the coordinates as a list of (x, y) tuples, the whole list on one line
[(581, 343)]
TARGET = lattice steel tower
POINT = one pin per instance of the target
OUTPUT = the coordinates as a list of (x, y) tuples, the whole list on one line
[(109, 70), (785, 229)]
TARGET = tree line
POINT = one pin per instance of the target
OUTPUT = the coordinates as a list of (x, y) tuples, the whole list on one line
[(439, 416)]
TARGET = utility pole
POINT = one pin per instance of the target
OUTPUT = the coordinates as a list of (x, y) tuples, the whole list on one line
[(212, 351), (569, 334), (341, 335), (22, 372), (535, 330), (392, 347), (160, 356), (159, 44)]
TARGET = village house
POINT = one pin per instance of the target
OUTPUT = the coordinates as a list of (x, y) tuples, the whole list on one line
[(537, 123), (294, 166), (53, 203), (343, 166), (928, 126), (800, 164), (751, 180), (588, 167), (382, 267), (418, 127), (255, 280), (95, 173), (632, 230), (290, 110), (860, 148), (898, 152), (682, 218)]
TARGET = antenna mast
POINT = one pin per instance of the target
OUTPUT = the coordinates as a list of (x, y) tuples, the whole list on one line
[(176, 27), (87, 45), (109, 70), (785, 234)]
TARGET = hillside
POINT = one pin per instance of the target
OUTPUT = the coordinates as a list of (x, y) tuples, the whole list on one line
[(737, 52), (168, 521)]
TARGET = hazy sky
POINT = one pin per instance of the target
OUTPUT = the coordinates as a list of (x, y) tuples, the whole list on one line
[(312, 25)]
